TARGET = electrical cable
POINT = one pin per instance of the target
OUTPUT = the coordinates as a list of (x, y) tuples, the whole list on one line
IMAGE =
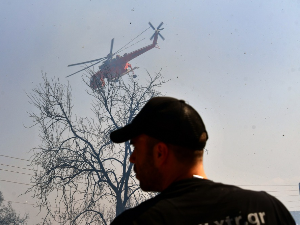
[(19, 202), (16, 182), (16, 172), (15, 166), (14, 158)]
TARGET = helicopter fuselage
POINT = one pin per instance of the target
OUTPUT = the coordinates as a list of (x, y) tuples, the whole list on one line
[(113, 69)]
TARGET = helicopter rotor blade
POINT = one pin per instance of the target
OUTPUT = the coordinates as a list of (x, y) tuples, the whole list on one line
[(82, 69), (161, 36), (111, 46), (151, 26), (152, 36), (101, 59), (159, 25)]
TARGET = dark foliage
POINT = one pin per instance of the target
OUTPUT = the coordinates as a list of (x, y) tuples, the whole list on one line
[(8, 215)]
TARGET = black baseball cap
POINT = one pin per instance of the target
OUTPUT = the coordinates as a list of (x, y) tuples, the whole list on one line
[(169, 120)]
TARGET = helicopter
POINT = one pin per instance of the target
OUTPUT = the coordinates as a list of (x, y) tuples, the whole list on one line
[(113, 68)]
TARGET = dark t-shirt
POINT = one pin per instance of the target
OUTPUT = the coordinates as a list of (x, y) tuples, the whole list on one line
[(204, 202)]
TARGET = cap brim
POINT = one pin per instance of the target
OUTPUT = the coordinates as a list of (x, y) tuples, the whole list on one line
[(123, 134)]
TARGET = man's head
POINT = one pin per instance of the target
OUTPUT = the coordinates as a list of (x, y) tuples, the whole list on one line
[(164, 128), (169, 120)]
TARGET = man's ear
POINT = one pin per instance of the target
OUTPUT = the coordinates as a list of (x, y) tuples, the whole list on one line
[(160, 154)]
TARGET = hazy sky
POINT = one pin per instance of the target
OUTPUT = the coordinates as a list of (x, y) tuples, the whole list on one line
[(236, 62)]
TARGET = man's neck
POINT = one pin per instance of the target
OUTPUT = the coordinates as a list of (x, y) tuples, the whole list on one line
[(178, 174)]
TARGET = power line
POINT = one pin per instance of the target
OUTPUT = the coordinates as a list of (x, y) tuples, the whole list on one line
[(29, 184), (26, 203), (14, 158), (82, 192), (15, 166), (16, 182), (16, 172)]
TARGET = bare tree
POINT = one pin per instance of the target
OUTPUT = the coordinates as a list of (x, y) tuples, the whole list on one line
[(8, 215), (81, 176)]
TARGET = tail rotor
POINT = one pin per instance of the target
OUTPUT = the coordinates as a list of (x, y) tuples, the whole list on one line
[(157, 30)]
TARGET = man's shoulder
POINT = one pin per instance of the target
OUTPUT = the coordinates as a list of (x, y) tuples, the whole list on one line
[(207, 189), (231, 193), (130, 215), (205, 201)]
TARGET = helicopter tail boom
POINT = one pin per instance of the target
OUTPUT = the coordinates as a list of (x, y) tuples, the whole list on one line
[(134, 54)]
